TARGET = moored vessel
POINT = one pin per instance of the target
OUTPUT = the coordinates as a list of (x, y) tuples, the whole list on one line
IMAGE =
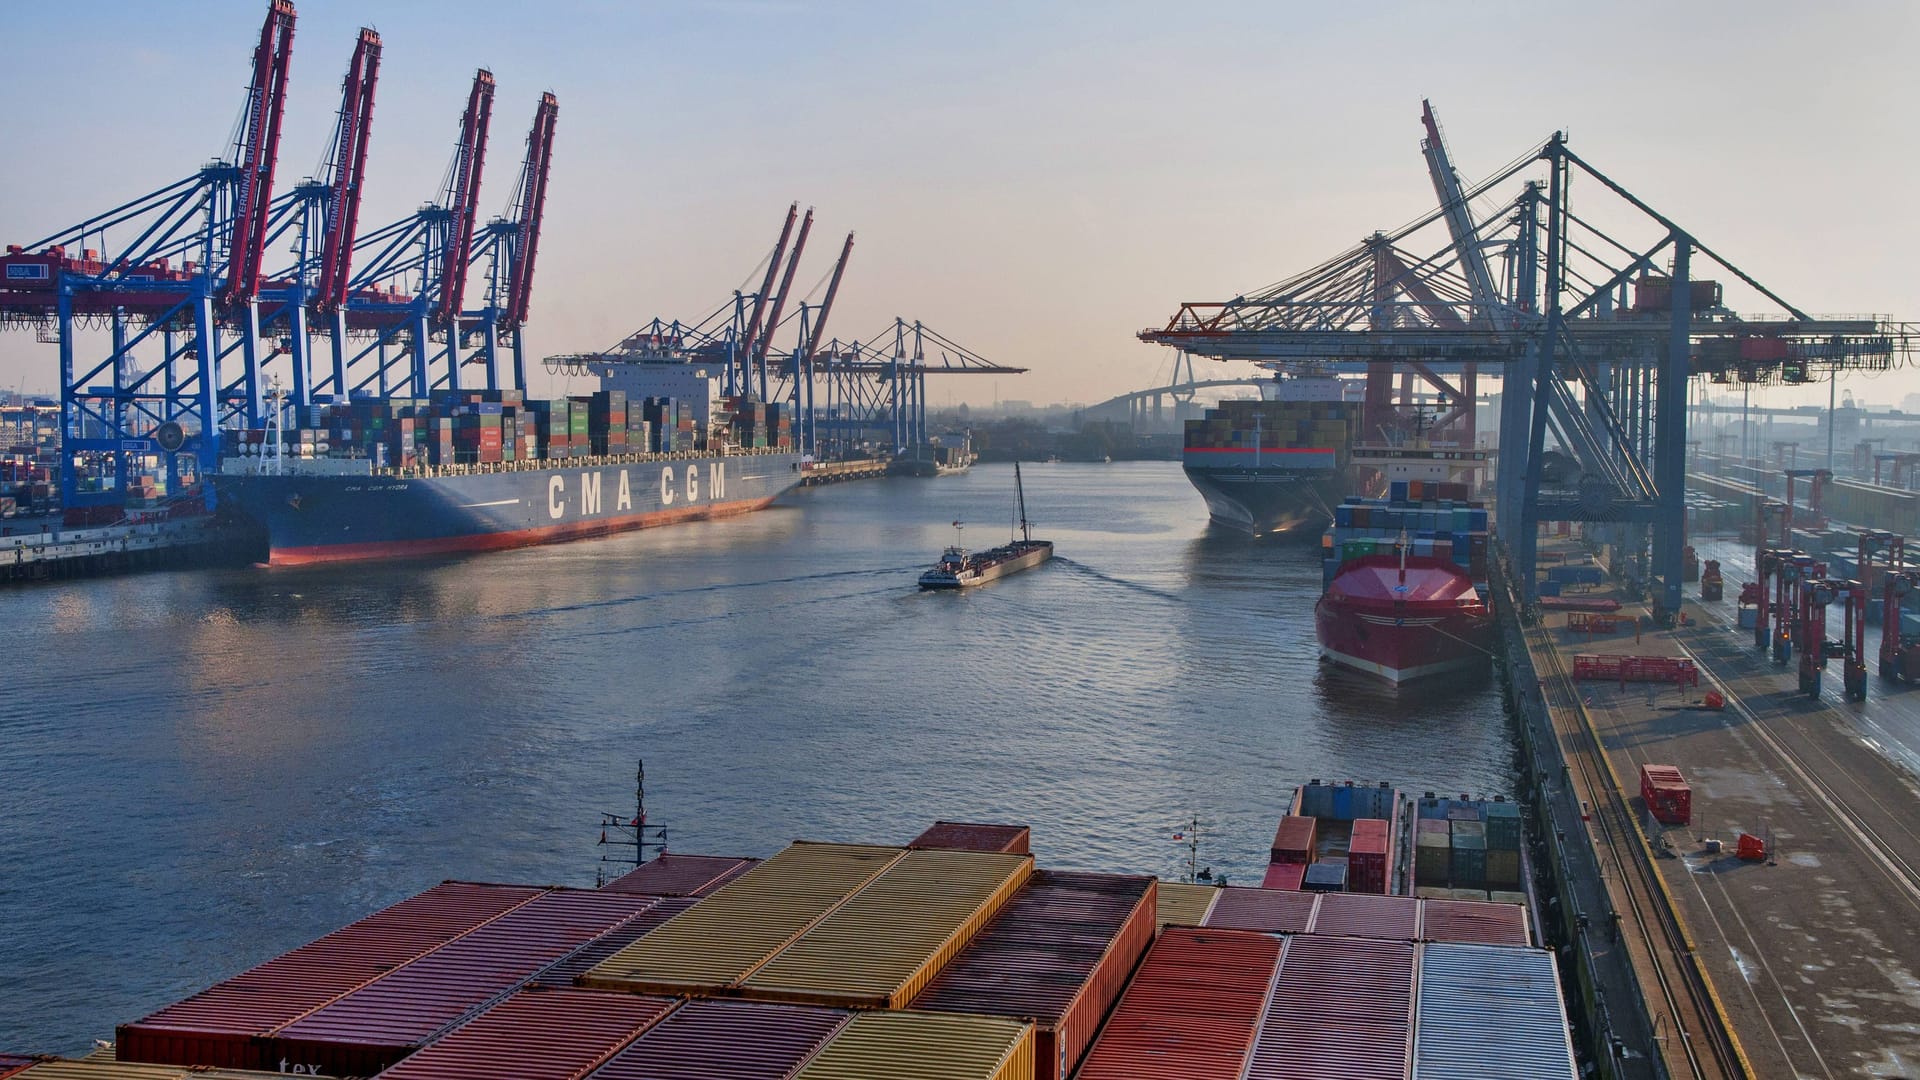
[(1276, 466), (1403, 617)]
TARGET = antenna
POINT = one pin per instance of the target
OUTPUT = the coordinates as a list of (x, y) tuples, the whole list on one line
[(621, 831), (1020, 488)]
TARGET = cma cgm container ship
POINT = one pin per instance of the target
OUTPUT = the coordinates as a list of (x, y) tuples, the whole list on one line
[(1277, 466), (483, 470)]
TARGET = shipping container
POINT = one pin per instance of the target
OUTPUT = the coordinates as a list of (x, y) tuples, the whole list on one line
[(1340, 1007), (1462, 921), (380, 1023), (1059, 954), (219, 1026), (726, 1040), (1191, 1011), (1503, 826), (567, 970), (1012, 839), (12, 1063), (925, 1046), (537, 1034), (1179, 904), (1433, 854), (1361, 915), (1326, 876), (1666, 793), (1368, 853), (1490, 1011), (729, 934), (680, 875), (1284, 876), (885, 944), (1293, 841), (1266, 910)]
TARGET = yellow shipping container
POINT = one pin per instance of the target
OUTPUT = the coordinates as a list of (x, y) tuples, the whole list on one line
[(926, 1046), (1183, 905), (884, 945), (727, 936)]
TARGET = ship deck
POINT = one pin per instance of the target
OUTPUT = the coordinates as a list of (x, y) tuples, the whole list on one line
[(1806, 961)]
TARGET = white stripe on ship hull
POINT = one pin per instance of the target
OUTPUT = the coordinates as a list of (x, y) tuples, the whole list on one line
[(1399, 675), (496, 502)]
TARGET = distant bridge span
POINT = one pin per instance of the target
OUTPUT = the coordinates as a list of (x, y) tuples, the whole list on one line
[(1149, 404)]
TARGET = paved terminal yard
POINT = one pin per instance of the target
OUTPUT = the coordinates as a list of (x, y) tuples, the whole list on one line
[(1811, 954)]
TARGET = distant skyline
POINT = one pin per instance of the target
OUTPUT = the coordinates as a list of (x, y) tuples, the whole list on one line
[(1038, 182)]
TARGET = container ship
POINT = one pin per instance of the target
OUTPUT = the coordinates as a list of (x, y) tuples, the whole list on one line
[(956, 955), (481, 470), (1404, 596), (1276, 466)]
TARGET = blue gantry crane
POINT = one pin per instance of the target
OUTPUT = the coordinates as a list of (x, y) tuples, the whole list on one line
[(176, 278), (1596, 332)]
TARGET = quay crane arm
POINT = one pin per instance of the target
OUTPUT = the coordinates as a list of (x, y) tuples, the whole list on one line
[(1459, 217), (786, 285), (826, 306), (462, 196), (348, 168), (766, 286), (256, 152), (531, 209)]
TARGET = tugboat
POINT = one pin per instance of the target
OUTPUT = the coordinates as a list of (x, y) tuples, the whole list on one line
[(959, 568)]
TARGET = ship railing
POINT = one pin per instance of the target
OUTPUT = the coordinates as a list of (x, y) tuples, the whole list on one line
[(483, 468)]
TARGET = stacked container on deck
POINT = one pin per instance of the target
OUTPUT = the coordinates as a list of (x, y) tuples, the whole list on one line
[(1468, 849), (1436, 519), (1278, 426)]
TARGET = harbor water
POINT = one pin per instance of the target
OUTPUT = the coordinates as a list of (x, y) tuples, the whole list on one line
[(206, 768)]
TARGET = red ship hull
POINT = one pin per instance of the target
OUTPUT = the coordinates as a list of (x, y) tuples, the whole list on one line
[(1429, 621)]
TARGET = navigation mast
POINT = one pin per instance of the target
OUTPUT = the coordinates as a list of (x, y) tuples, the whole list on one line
[(1026, 532)]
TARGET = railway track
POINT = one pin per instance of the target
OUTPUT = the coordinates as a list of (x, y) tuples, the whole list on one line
[(1707, 1043)]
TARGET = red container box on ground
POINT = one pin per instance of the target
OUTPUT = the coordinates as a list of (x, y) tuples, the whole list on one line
[(1668, 795)]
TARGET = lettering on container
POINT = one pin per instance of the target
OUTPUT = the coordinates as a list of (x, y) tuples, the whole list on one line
[(589, 493), (717, 480), (299, 1070)]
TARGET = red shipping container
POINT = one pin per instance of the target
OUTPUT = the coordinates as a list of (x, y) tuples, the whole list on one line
[(726, 1040), (1058, 954), (1284, 876), (382, 1022), (220, 1026), (1266, 910), (537, 1035), (1191, 1011), (1367, 856), (960, 835), (680, 875), (1667, 794), (1293, 842), (1396, 918), (1341, 1007), (11, 1063), (1474, 922)]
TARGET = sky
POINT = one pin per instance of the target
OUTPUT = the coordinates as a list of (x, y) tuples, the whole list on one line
[(1038, 182)]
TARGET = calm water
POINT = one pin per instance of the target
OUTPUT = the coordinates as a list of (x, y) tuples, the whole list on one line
[(204, 769)]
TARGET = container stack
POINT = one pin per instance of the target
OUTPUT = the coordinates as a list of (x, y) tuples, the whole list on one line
[(1368, 856), (1280, 426), (1450, 529), (1389, 918), (1468, 849)]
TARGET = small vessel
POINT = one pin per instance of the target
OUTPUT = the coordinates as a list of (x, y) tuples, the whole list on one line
[(959, 568), (935, 458)]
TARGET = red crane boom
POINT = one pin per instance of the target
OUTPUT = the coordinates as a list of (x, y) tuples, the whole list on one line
[(349, 172), (786, 286), (462, 197), (826, 305), (258, 153), (533, 201), (766, 287)]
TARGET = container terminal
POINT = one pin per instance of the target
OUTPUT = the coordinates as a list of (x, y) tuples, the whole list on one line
[(952, 955), (387, 368)]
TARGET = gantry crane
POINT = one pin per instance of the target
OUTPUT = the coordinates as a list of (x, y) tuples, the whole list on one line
[(507, 248), (176, 280), (1596, 333)]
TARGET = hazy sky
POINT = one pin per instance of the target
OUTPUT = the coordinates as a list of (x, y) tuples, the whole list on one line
[(1037, 181)]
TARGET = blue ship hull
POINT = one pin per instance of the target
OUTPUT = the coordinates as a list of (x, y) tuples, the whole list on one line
[(312, 518)]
